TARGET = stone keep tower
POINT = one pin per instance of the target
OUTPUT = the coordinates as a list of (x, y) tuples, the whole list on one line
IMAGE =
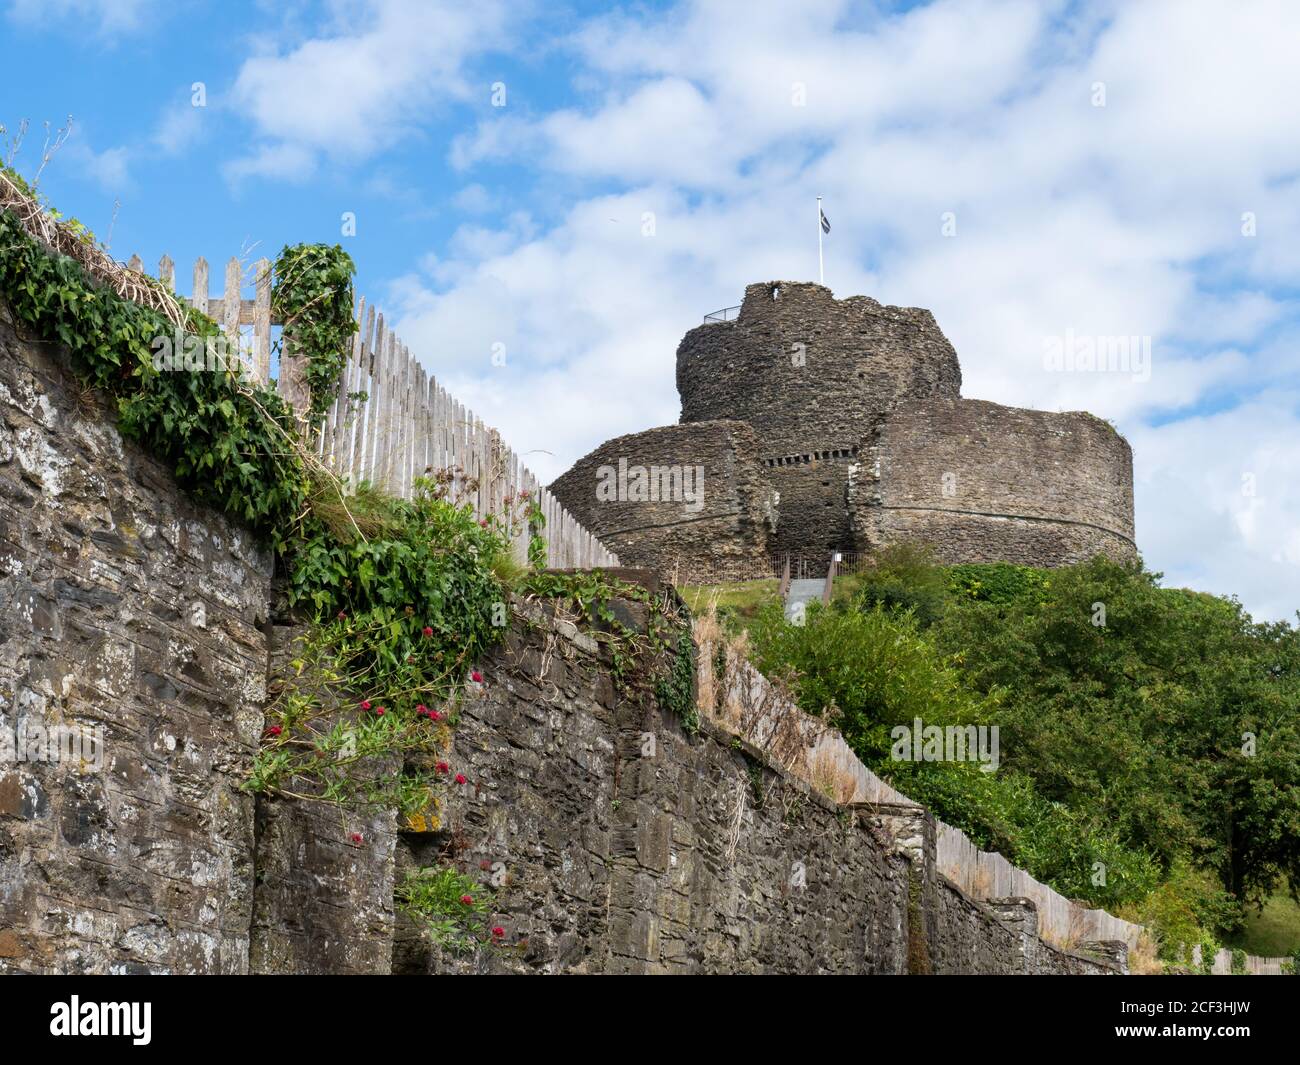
[(812, 375), (820, 425)]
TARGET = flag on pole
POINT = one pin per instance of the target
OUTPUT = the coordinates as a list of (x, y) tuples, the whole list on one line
[(826, 225)]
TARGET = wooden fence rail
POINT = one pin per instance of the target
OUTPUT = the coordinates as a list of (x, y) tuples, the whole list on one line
[(392, 421)]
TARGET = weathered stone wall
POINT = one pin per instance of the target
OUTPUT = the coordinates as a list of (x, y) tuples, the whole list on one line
[(968, 943), (629, 845), (983, 483), (812, 494), (632, 847), (716, 529), (810, 372), (122, 606), (538, 749), (324, 896)]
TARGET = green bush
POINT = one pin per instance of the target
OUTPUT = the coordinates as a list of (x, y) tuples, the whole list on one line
[(865, 670), (1164, 713), (998, 582), (1150, 732), (1181, 908), (905, 578)]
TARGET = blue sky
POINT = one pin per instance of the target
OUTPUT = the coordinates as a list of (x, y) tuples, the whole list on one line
[(1026, 170)]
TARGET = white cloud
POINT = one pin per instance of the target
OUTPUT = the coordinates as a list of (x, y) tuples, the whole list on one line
[(110, 169), (1219, 501), (474, 199), (283, 161), (179, 128), (109, 17), (370, 80)]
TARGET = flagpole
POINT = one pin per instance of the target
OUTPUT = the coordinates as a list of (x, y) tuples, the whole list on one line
[(821, 267)]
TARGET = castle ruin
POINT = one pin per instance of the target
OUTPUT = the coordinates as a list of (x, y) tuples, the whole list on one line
[(812, 425)]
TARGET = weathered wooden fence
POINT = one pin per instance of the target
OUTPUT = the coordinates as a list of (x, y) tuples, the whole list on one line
[(1253, 966), (988, 875), (406, 425)]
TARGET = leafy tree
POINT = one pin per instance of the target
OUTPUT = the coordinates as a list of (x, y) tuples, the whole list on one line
[(1137, 703), (871, 670)]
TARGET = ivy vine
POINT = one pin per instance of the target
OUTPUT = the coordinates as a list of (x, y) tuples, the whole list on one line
[(313, 298), (225, 438)]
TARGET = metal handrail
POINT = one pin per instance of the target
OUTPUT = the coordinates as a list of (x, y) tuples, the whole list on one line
[(724, 315), (811, 564)]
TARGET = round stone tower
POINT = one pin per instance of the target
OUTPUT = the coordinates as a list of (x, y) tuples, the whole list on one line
[(812, 375)]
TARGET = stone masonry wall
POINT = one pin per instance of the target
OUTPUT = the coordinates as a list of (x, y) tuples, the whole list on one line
[(812, 501), (628, 845), (324, 896), (122, 606), (983, 483), (810, 372), (862, 441), (723, 536), (631, 846)]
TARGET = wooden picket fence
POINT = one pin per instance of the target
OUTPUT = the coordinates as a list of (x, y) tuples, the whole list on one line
[(407, 425)]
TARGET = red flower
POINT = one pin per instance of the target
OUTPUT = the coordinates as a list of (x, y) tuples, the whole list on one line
[(379, 710), (421, 710), (342, 616), (356, 837), (434, 715), (427, 632), (365, 704), (476, 677), (467, 900), (274, 730), (460, 778), (498, 931), (442, 767), (484, 523)]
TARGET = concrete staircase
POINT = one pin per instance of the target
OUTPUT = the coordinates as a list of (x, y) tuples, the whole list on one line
[(800, 594)]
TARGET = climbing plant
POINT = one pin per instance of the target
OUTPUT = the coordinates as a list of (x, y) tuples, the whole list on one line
[(312, 296), (408, 595), (658, 653), (450, 907), (404, 594), (228, 441)]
